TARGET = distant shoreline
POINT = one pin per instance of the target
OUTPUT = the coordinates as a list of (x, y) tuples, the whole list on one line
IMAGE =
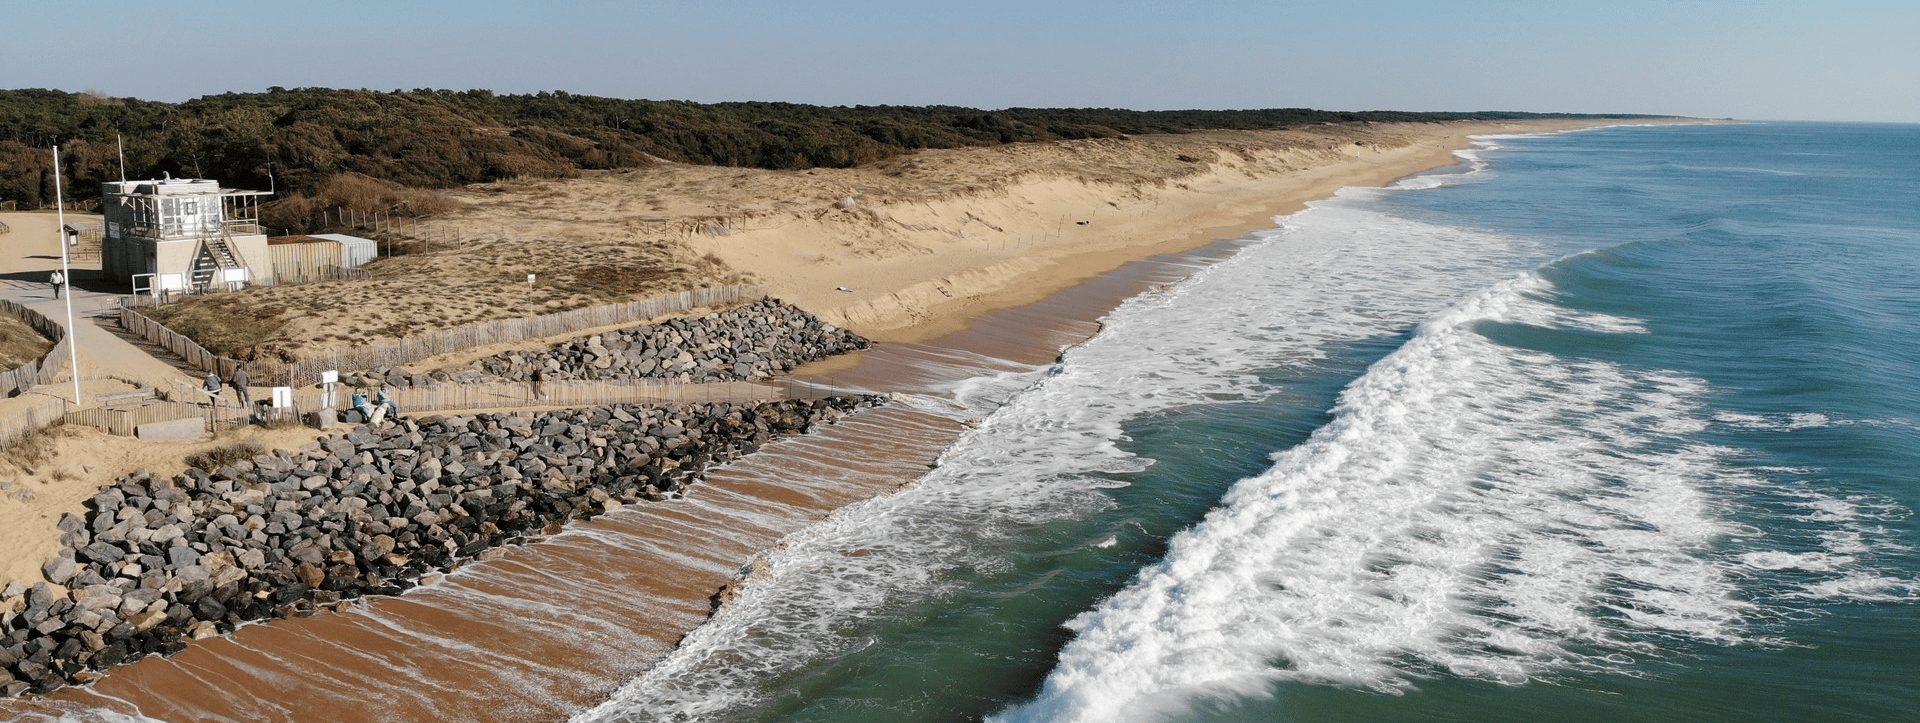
[(1199, 211), (923, 297)]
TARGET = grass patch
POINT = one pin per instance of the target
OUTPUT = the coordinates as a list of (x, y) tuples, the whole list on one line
[(618, 282), (218, 457), (230, 325)]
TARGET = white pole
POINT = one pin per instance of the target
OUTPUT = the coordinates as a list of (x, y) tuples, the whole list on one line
[(66, 277)]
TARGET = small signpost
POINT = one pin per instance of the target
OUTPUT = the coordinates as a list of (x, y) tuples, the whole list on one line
[(328, 378)]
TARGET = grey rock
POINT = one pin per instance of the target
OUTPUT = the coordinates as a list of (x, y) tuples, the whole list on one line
[(61, 568)]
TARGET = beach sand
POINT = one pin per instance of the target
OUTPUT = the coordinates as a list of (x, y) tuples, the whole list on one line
[(909, 249), (906, 261)]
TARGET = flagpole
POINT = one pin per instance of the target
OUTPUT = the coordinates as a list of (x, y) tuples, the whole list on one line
[(66, 277)]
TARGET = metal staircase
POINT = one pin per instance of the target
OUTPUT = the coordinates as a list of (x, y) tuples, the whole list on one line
[(216, 255)]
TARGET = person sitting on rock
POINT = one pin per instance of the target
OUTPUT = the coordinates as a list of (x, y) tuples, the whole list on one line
[(381, 399), (359, 402)]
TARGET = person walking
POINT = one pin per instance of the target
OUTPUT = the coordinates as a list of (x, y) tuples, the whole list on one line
[(58, 281), (240, 382), (539, 378), (213, 389)]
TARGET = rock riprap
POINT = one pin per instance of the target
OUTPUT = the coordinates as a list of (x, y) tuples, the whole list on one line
[(754, 341), (156, 561)]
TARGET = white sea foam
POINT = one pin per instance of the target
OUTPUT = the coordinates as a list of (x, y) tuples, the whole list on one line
[(1783, 423), (1334, 274), (1474, 510), (1556, 317), (1484, 512), (1477, 510)]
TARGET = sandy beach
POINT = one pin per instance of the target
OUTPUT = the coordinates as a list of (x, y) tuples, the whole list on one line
[(910, 251), (910, 248)]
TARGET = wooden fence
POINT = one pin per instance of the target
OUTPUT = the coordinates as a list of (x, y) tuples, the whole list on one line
[(414, 348), (195, 355), (123, 421), (42, 370), (20, 380), (588, 393), (33, 419), (422, 400), (509, 397)]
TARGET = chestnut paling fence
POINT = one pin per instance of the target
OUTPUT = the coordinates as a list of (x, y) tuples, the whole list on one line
[(15, 426), (227, 412), (41, 370), (582, 393), (124, 421), (34, 373), (497, 397), (396, 352), (570, 393), (308, 397)]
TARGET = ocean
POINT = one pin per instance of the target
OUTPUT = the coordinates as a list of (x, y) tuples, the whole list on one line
[(1612, 425)]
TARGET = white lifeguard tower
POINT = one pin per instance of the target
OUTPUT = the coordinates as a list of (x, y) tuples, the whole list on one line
[(183, 235)]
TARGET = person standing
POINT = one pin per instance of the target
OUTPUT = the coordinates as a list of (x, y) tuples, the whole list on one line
[(240, 381), (539, 377), (58, 280), (213, 388)]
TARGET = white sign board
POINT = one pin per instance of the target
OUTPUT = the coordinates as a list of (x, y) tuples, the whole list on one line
[(232, 276), (282, 397), (173, 282), (330, 376)]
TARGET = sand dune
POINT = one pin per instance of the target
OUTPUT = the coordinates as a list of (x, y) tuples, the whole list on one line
[(908, 249)]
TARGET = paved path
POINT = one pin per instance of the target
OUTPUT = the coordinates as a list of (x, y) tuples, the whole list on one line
[(29, 254)]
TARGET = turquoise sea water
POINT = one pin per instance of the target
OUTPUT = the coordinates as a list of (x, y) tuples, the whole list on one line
[(1621, 424)]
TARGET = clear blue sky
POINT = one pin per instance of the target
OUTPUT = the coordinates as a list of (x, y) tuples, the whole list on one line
[(1753, 59)]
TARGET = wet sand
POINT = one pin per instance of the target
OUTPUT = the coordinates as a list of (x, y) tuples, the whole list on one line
[(546, 629), (538, 632)]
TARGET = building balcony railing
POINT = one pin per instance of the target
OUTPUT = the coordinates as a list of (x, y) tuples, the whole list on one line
[(176, 231)]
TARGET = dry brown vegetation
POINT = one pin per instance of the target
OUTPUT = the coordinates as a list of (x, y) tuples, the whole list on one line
[(213, 459), (617, 235), (483, 280), (355, 194), (28, 451), (20, 343)]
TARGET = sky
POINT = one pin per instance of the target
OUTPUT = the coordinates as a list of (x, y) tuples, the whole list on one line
[(1846, 60)]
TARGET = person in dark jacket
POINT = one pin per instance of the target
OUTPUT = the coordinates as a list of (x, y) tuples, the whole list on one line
[(240, 382)]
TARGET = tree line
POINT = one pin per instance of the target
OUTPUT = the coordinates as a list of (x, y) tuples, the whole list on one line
[(303, 141)]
